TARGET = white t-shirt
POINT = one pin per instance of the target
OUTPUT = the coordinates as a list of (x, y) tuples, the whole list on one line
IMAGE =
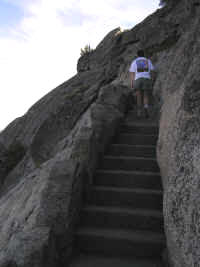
[(142, 68)]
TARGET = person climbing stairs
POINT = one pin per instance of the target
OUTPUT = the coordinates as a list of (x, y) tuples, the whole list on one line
[(122, 222)]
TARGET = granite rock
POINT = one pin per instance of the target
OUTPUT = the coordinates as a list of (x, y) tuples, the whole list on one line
[(47, 161)]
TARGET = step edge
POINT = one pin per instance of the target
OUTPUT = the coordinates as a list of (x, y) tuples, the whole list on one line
[(118, 234), (128, 157), (128, 172), (144, 212), (126, 189), (138, 134), (139, 146), (141, 124)]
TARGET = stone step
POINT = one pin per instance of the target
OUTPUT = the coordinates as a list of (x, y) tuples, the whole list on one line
[(131, 118), (131, 150), (129, 164), (136, 139), (130, 179), (88, 260), (122, 218), (139, 128), (119, 242), (122, 222), (126, 197)]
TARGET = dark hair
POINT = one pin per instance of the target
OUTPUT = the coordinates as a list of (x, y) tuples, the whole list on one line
[(140, 53)]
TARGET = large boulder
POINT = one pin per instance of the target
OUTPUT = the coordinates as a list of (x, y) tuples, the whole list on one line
[(47, 162)]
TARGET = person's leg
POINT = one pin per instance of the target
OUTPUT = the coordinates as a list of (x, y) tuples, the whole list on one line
[(147, 89), (146, 99), (146, 104), (138, 93), (139, 102)]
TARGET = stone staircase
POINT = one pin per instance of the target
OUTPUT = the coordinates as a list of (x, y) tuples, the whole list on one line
[(122, 223)]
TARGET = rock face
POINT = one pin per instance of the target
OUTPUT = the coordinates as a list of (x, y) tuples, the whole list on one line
[(48, 156), (179, 146)]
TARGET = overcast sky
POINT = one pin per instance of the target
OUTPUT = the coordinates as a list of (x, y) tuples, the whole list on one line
[(40, 42)]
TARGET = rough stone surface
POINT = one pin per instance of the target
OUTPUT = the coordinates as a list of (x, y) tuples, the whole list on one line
[(179, 146), (48, 156), (47, 161)]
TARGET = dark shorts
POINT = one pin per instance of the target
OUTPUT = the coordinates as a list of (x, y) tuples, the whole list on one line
[(143, 84)]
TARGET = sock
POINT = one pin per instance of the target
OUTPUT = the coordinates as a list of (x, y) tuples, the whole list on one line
[(146, 106)]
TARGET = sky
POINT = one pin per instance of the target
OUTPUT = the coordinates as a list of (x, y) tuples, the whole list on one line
[(40, 42)]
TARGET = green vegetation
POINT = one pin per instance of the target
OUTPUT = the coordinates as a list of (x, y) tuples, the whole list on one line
[(86, 50)]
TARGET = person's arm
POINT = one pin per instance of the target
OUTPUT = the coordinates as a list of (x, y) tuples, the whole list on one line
[(132, 78)]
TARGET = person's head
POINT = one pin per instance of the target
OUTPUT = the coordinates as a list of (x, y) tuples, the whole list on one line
[(140, 53)]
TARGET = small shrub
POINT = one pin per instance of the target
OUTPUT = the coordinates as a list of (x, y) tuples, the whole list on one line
[(86, 50)]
